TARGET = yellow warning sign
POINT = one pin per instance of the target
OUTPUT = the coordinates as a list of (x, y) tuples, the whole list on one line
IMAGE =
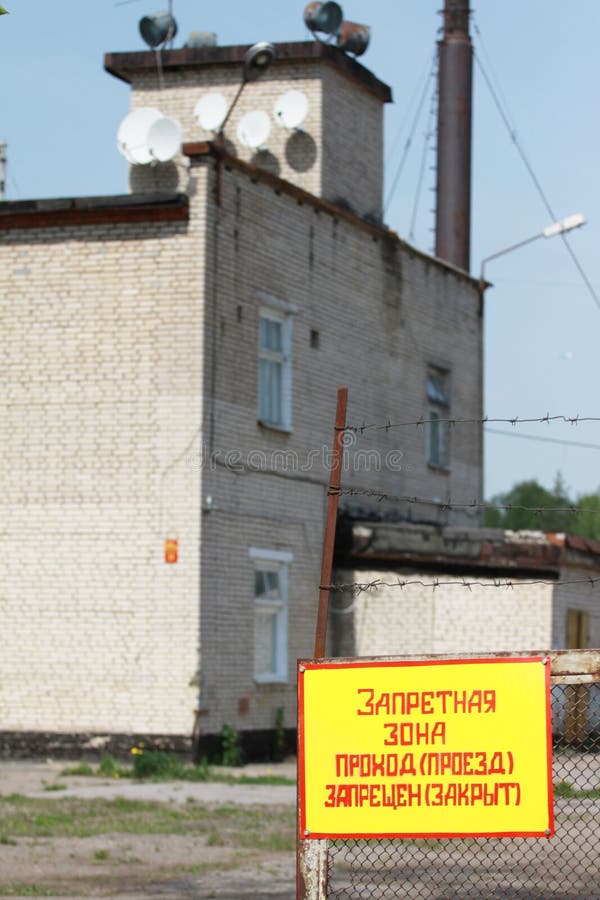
[(443, 748)]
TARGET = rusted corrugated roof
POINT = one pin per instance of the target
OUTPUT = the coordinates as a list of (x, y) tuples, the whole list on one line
[(450, 548)]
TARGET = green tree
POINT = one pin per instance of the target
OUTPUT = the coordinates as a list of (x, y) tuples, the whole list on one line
[(546, 510), (532, 506), (587, 524)]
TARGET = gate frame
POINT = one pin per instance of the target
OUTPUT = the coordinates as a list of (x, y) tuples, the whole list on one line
[(568, 667)]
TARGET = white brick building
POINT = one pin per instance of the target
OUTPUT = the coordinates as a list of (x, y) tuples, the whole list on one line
[(498, 591), (170, 366)]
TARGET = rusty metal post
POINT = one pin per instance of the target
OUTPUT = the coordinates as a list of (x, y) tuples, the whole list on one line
[(453, 190), (333, 496), (311, 856)]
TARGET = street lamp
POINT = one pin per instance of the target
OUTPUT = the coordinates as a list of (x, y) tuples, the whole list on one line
[(560, 227), (256, 61)]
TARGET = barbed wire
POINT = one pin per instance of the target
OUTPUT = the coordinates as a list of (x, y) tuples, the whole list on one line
[(447, 505), (516, 420), (358, 587)]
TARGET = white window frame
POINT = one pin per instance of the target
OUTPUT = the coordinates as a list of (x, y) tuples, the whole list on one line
[(282, 313), (438, 451), (266, 560)]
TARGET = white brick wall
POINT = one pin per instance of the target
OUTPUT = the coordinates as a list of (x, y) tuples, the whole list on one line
[(102, 333), (338, 154), (131, 352), (452, 619)]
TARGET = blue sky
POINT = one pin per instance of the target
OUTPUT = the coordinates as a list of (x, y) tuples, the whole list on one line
[(60, 112)]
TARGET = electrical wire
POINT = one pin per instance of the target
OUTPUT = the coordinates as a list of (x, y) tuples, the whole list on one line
[(449, 505), (411, 135), (427, 138), (420, 87), (542, 440), (502, 109)]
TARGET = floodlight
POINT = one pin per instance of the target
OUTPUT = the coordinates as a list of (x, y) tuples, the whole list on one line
[(323, 17), (353, 38), (157, 29)]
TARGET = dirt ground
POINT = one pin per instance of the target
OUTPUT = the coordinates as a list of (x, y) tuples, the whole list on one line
[(129, 865), (236, 842)]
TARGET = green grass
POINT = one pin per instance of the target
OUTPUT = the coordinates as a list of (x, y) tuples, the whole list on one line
[(567, 790), (248, 827), (55, 787), (252, 779), (15, 889), (154, 765), (80, 769)]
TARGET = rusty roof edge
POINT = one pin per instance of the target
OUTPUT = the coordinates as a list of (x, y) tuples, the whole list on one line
[(115, 201), (121, 65), (196, 149), (67, 211), (406, 544)]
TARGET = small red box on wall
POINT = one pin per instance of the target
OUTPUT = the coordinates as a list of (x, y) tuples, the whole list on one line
[(171, 551)]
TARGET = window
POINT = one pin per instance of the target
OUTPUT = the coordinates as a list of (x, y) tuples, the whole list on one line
[(274, 370), (578, 629), (438, 430), (270, 613)]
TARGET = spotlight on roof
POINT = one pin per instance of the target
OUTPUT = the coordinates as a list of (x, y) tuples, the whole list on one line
[(158, 29), (257, 60), (323, 17), (353, 38)]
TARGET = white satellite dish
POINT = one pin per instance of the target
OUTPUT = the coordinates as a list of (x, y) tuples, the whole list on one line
[(291, 109), (145, 136), (210, 111), (132, 136), (164, 139), (254, 129)]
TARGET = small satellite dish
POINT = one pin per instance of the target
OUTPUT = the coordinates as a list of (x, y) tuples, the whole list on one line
[(157, 29), (254, 129), (210, 111), (164, 139), (291, 109), (132, 136)]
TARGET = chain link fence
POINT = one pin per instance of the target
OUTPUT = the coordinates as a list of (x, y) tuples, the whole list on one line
[(565, 866)]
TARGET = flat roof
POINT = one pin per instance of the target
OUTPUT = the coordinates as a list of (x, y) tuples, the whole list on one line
[(51, 213), (127, 65)]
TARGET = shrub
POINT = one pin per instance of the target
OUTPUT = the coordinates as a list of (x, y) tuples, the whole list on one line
[(231, 754)]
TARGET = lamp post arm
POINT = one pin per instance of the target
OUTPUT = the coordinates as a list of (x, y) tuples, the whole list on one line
[(230, 110), (530, 240)]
